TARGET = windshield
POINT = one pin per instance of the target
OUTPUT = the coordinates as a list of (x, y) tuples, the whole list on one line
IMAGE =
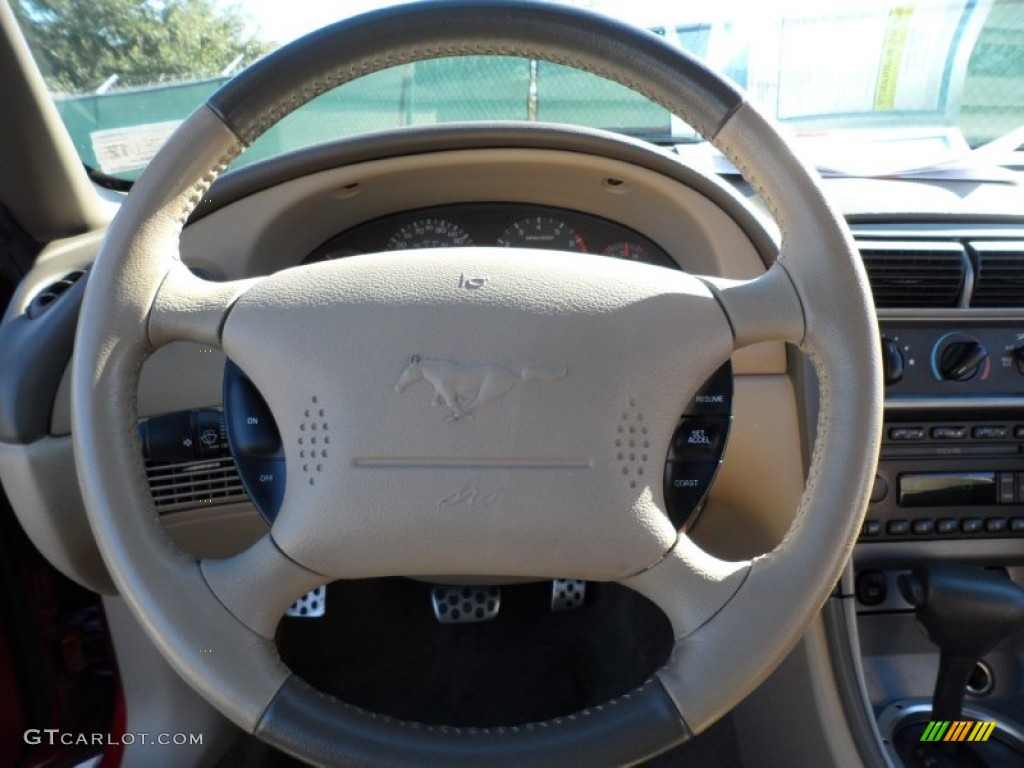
[(904, 81)]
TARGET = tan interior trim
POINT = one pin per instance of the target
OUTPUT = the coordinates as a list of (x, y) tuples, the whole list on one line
[(42, 180)]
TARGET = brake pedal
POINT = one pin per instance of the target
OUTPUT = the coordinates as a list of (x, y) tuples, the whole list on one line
[(311, 605), (465, 605), (567, 594)]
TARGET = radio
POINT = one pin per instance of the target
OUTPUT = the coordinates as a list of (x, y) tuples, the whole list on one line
[(948, 479)]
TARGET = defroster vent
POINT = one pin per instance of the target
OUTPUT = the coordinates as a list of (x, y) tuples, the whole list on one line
[(915, 274), (194, 483), (1000, 274)]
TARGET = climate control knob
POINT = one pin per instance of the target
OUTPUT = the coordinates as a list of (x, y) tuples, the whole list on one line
[(1018, 359), (961, 360), (892, 361)]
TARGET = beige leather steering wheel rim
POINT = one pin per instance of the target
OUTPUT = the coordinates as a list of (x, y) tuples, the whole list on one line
[(140, 296)]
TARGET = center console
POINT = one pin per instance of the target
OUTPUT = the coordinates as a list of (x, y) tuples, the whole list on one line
[(950, 465), (949, 486)]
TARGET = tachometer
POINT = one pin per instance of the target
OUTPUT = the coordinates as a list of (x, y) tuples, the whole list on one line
[(542, 232), (429, 233)]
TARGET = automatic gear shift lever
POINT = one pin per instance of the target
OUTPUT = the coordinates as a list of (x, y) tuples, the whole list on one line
[(966, 612)]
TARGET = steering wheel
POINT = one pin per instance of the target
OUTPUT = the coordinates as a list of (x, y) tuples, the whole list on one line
[(326, 343)]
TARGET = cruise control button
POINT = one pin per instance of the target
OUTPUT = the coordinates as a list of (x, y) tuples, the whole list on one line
[(715, 397), (251, 427), (699, 439), (946, 525), (264, 479), (685, 486)]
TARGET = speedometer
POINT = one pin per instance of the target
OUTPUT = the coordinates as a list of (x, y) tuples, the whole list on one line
[(542, 232), (429, 233)]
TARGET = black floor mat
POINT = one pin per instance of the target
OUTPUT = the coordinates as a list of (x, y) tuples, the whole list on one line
[(380, 648)]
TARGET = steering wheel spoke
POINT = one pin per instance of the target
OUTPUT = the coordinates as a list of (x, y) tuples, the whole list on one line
[(189, 308), (766, 308), (257, 585), (689, 585)]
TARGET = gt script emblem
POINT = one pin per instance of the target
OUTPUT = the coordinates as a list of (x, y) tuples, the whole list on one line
[(465, 388)]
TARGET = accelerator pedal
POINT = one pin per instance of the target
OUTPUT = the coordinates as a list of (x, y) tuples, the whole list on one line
[(311, 605)]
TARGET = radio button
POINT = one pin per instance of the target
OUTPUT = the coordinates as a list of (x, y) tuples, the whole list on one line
[(923, 527), (971, 525), (1017, 524), (907, 433), (898, 527), (949, 433), (1007, 485), (991, 432), (873, 528), (1018, 432), (946, 525), (996, 525), (880, 489)]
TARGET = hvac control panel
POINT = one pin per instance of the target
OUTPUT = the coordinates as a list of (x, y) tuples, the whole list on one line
[(952, 459)]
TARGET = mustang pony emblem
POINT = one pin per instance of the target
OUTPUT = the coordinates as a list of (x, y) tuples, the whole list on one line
[(467, 387)]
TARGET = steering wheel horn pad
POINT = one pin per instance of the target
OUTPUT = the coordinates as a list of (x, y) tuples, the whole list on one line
[(435, 429), (385, 499)]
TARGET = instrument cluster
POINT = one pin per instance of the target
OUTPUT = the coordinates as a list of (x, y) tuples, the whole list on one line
[(494, 224)]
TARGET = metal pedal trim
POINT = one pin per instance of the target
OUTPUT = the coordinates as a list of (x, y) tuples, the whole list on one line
[(311, 605), (567, 594), (465, 605)]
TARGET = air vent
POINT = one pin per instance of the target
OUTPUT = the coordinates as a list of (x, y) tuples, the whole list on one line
[(1000, 280), (42, 300), (914, 274), (194, 483)]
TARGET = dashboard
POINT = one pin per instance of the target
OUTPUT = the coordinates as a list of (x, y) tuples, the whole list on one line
[(950, 482), (525, 186)]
